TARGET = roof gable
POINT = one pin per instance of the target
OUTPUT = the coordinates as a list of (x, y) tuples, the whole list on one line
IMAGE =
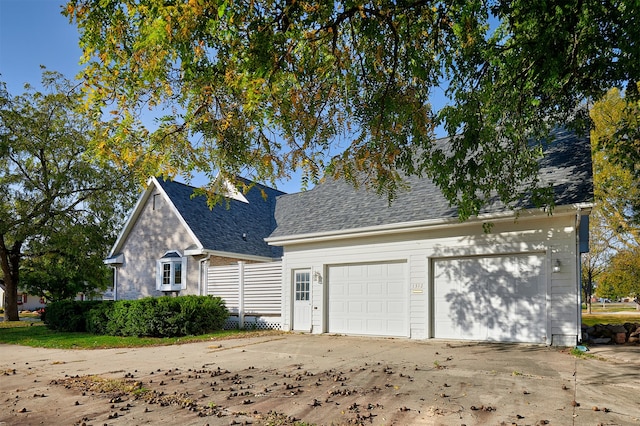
[(335, 205), (240, 228)]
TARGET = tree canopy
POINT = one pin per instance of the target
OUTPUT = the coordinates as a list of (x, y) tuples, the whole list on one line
[(59, 209), (264, 87), (67, 262), (616, 163), (614, 259), (622, 278)]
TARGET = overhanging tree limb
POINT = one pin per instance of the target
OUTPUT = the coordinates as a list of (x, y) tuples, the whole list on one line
[(312, 72)]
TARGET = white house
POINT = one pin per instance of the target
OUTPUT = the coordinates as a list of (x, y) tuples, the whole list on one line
[(354, 265), (172, 237)]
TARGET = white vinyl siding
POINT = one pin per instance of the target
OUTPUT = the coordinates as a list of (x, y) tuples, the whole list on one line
[(549, 236)]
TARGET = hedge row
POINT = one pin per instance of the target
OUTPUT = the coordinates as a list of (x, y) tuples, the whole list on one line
[(152, 316)]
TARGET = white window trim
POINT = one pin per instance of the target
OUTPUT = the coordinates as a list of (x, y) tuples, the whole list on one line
[(171, 260)]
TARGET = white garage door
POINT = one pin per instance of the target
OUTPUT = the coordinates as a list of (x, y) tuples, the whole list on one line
[(369, 299), (499, 298)]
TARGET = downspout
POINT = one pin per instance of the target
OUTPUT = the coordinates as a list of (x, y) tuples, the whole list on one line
[(115, 283), (241, 294), (201, 276), (579, 275)]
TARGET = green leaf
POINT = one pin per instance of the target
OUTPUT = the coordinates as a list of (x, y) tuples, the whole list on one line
[(221, 9)]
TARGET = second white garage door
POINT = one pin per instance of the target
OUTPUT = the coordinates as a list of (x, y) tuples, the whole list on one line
[(368, 299), (498, 298)]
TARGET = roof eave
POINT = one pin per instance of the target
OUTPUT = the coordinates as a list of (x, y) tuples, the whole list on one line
[(240, 256), (429, 224), (114, 260)]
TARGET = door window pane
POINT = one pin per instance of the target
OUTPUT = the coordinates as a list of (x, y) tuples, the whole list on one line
[(303, 287)]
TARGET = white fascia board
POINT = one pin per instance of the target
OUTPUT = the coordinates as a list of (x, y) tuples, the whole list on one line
[(420, 225), (114, 260), (198, 252), (133, 217), (177, 213)]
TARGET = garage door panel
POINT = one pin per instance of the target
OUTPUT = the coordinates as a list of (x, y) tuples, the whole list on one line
[(356, 307), (355, 324), (339, 272), (368, 299), (395, 269), (498, 298), (376, 269), (338, 307), (377, 288), (375, 307), (396, 289), (397, 308), (396, 328), (355, 289), (355, 271)]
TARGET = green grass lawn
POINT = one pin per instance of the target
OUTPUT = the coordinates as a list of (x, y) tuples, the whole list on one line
[(610, 318), (31, 332), (611, 307), (35, 334), (610, 313)]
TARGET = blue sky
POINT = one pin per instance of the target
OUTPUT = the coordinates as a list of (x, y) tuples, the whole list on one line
[(34, 33)]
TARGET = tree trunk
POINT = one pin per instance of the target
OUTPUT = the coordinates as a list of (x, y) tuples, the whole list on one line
[(10, 263), (10, 301)]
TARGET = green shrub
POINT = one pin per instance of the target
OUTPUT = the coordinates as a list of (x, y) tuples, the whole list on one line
[(152, 316), (175, 316), (118, 318), (97, 319), (208, 314), (69, 315)]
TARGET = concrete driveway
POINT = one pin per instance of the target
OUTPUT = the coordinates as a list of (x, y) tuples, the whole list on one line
[(321, 379)]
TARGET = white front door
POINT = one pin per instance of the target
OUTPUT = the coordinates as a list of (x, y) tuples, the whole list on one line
[(302, 300)]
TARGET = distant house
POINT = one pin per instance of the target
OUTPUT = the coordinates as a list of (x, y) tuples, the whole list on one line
[(26, 302), (172, 237), (30, 302), (354, 265)]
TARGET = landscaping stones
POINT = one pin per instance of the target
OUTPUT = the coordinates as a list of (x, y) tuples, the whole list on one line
[(602, 334)]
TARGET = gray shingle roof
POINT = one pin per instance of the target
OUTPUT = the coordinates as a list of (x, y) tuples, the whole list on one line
[(222, 228), (336, 205)]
